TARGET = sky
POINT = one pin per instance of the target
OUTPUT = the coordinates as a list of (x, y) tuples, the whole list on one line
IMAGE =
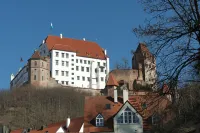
[(25, 23)]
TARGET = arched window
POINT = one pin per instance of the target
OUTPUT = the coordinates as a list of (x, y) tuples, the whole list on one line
[(35, 63), (128, 116), (99, 121)]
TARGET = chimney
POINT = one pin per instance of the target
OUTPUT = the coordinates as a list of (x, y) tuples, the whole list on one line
[(125, 95), (83, 39), (67, 122), (105, 52), (115, 95), (61, 35)]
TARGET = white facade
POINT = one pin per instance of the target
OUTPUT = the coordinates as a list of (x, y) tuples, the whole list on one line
[(128, 127), (69, 69), (20, 78)]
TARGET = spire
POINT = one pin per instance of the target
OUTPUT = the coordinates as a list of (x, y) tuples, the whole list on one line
[(111, 81)]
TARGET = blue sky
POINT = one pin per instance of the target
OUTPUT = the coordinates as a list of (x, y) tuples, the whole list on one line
[(25, 23)]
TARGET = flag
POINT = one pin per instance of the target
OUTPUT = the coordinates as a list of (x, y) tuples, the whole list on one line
[(51, 26), (21, 60)]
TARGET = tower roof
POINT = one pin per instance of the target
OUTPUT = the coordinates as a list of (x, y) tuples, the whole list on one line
[(36, 55), (111, 81), (143, 48)]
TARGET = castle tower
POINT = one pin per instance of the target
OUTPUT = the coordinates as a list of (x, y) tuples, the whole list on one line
[(39, 70), (143, 58), (111, 85)]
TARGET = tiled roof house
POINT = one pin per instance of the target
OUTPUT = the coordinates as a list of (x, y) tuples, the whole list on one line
[(127, 114)]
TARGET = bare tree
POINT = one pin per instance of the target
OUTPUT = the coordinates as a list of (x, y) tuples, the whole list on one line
[(123, 64), (173, 35)]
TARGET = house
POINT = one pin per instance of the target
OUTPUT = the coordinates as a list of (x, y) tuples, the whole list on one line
[(129, 113), (74, 125), (71, 62)]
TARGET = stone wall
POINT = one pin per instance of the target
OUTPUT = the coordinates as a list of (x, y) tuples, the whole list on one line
[(126, 75)]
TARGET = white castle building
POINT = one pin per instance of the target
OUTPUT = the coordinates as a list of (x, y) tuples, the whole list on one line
[(77, 63)]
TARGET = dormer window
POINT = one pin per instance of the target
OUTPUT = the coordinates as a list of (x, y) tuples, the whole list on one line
[(99, 120), (128, 116)]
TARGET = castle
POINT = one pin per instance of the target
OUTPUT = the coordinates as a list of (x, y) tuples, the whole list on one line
[(143, 70), (66, 62), (81, 63)]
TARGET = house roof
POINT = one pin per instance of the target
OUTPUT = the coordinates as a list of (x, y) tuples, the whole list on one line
[(96, 105), (152, 102), (80, 47), (112, 81), (75, 126)]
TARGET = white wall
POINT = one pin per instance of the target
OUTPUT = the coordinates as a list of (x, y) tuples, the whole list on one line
[(20, 78), (128, 128), (90, 63), (60, 130)]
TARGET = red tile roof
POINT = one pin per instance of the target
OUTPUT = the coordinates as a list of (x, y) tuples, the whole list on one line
[(36, 55), (75, 126), (81, 47), (112, 81), (96, 105)]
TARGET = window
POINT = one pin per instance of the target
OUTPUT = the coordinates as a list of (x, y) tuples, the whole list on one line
[(108, 106), (104, 64), (128, 116), (101, 69), (85, 61), (82, 69), (57, 54), (35, 63), (102, 79), (62, 73), (72, 64), (72, 55), (155, 119), (98, 63), (63, 55), (42, 78), (88, 78), (72, 68), (66, 82), (105, 71), (67, 55), (80, 61), (57, 81), (88, 69), (99, 121), (76, 60), (56, 72), (83, 78), (67, 63), (78, 77), (88, 62), (72, 82), (72, 59), (34, 77), (97, 80), (77, 68), (63, 82), (67, 73), (72, 73), (63, 63), (72, 78), (95, 70), (56, 62)]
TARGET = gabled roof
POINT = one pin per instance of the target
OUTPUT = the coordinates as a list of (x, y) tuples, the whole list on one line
[(36, 55), (112, 81), (75, 126), (143, 48), (96, 105), (80, 47)]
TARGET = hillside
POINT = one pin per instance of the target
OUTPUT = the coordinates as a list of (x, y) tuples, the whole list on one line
[(29, 107)]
